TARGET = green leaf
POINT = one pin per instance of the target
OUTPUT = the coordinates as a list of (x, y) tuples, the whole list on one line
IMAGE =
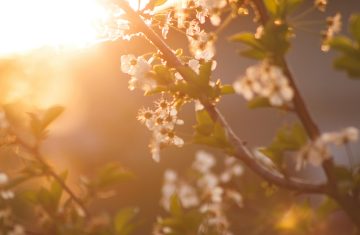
[(350, 64), (248, 39), (271, 6), (204, 122), (327, 207), (255, 54), (39, 124), (123, 222), (355, 26), (276, 38), (259, 102), (342, 44), (112, 174), (175, 206), (227, 90), (220, 135), (162, 74), (51, 115), (190, 75), (288, 138)]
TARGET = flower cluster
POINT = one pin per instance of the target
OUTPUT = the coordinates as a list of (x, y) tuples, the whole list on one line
[(204, 9), (210, 193), (265, 80), (317, 151), (334, 26), (201, 43), (138, 68), (172, 184), (161, 122)]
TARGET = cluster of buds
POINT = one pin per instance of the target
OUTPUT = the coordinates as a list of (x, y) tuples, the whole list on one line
[(334, 26), (267, 81), (161, 122)]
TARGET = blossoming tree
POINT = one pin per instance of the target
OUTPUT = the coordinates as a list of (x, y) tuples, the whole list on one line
[(203, 201)]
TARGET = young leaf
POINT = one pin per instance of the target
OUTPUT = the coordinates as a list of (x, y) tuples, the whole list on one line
[(123, 222), (227, 90), (248, 39), (259, 102), (175, 206), (51, 114), (355, 26), (111, 175), (271, 6)]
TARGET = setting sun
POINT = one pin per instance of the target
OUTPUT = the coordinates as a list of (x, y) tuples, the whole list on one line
[(27, 25)]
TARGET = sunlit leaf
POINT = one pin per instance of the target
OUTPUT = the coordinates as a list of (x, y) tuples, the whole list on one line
[(123, 222), (175, 206), (259, 102), (248, 39), (355, 26), (227, 90)]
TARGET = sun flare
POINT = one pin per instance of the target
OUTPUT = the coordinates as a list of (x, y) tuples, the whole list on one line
[(29, 24)]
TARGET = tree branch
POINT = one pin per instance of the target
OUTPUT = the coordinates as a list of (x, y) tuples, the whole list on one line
[(241, 151), (34, 150), (347, 202)]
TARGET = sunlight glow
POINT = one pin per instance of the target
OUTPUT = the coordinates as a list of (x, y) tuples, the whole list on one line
[(31, 24)]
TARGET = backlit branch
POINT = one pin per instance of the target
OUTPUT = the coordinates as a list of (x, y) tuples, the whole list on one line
[(241, 151)]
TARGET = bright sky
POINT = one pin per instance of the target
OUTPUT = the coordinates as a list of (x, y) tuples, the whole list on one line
[(30, 24)]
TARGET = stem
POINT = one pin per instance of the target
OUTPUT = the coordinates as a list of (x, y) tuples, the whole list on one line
[(241, 151), (225, 23)]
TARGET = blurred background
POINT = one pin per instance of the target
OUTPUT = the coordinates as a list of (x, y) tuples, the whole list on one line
[(99, 124)]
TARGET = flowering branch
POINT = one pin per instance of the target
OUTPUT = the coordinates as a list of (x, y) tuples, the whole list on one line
[(241, 151), (346, 201)]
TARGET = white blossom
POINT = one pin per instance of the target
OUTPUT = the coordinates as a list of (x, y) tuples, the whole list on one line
[(334, 26), (3, 121), (232, 169), (4, 179), (161, 122), (17, 230), (320, 4), (204, 161), (138, 68), (7, 194), (267, 81), (316, 152)]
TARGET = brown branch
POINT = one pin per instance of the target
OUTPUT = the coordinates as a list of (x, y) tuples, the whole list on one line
[(241, 151)]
